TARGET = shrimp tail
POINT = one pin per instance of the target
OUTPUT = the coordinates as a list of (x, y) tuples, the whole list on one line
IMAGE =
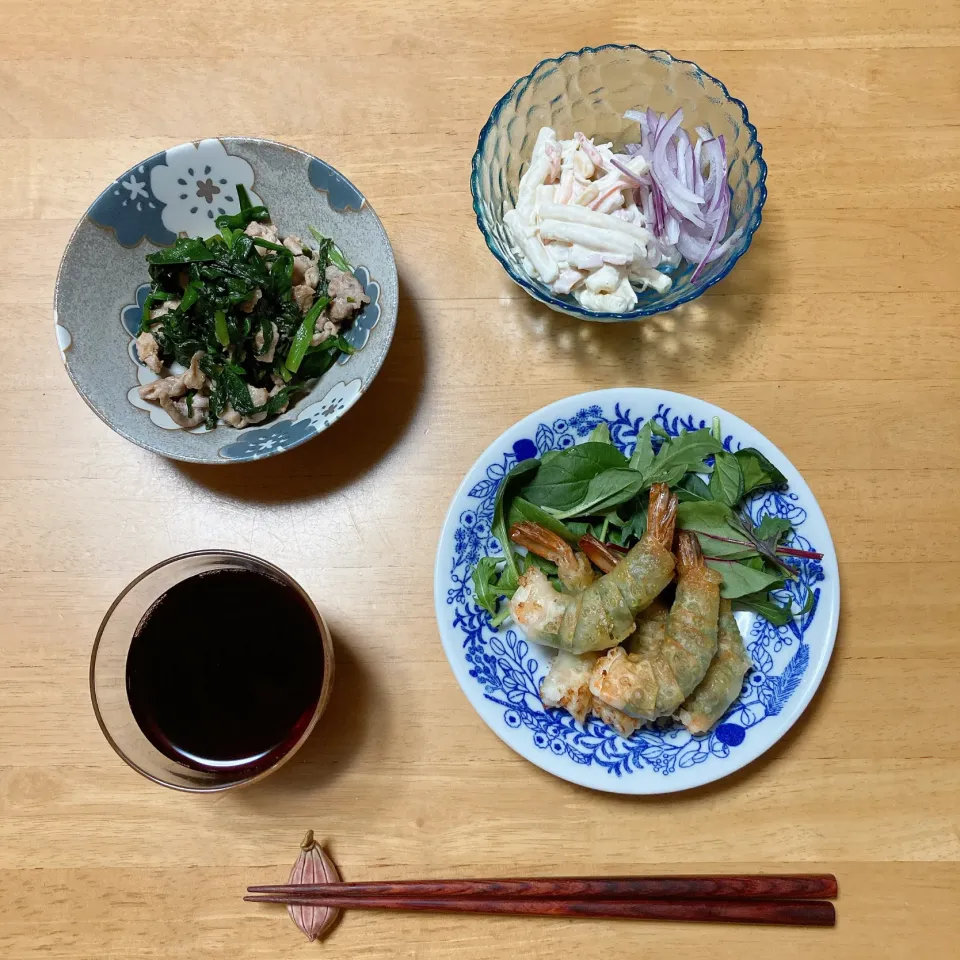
[(601, 555), (690, 562), (574, 568), (662, 514), (541, 541)]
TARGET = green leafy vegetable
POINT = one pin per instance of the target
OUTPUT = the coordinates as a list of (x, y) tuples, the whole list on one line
[(682, 454), (606, 491), (233, 290), (484, 580), (523, 511), (773, 529), (600, 434), (705, 517), (740, 579), (220, 328), (501, 507), (778, 614), (562, 481), (643, 453), (726, 481), (184, 250), (303, 336), (758, 472), (691, 488)]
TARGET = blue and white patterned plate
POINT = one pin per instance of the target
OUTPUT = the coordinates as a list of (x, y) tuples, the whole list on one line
[(103, 282), (500, 671)]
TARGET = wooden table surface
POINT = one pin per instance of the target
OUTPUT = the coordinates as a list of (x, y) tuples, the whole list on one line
[(836, 336)]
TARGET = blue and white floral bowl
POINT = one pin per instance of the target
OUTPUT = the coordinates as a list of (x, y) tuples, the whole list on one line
[(103, 281), (500, 672)]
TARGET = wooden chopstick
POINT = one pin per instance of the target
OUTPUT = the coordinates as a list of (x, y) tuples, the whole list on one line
[(735, 887), (807, 913)]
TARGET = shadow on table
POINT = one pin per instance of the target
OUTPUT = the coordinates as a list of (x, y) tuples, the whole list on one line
[(709, 330), (337, 740), (350, 447)]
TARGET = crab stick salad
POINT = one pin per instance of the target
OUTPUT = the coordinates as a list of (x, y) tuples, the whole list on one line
[(602, 226)]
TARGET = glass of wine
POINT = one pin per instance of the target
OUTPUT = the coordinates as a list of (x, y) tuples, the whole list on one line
[(210, 670)]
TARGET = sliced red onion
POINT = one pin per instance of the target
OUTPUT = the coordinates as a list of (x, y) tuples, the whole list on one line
[(625, 170), (687, 210)]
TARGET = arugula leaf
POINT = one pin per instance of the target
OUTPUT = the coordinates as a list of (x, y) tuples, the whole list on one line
[(523, 510), (739, 579), (484, 591), (726, 481), (501, 507), (634, 528), (600, 434), (758, 472), (772, 528), (779, 615), (562, 482), (643, 453), (682, 455), (547, 566), (692, 488)]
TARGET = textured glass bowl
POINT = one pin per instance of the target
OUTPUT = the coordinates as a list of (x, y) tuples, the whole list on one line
[(590, 90)]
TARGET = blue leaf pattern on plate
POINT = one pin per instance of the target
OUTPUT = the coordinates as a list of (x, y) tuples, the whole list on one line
[(366, 320), (341, 193), (500, 663)]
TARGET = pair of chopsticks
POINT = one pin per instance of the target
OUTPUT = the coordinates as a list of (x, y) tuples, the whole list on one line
[(788, 899)]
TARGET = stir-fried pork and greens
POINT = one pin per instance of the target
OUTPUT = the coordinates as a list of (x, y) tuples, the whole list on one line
[(242, 321)]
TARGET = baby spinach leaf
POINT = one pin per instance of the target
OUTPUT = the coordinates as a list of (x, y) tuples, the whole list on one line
[(682, 455), (562, 481), (642, 456), (712, 547), (758, 472), (501, 506), (739, 579), (726, 481), (524, 511), (600, 434), (606, 491), (707, 516), (692, 488)]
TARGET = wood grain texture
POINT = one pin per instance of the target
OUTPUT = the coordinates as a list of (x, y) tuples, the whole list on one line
[(837, 336)]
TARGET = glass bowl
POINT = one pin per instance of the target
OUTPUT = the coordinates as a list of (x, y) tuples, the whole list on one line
[(108, 668), (590, 90)]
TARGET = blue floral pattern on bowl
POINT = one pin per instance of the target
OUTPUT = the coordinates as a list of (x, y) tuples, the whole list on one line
[(506, 669), (182, 190)]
